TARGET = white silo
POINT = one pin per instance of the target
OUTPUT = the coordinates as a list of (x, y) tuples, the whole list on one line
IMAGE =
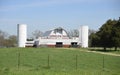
[(83, 36), (22, 34)]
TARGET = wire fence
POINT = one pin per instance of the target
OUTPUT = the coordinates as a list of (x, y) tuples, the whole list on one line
[(34, 60), (75, 64)]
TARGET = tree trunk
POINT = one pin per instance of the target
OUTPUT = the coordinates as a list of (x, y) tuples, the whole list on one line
[(116, 48)]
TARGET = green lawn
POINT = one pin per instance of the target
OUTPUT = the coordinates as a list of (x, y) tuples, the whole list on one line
[(56, 61)]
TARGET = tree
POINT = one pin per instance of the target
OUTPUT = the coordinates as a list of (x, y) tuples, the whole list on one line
[(116, 34), (7, 41), (3, 36), (91, 37), (13, 40), (91, 31), (73, 33), (94, 40), (105, 34), (37, 33), (108, 35)]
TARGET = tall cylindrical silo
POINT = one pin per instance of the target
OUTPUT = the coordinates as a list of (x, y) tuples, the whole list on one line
[(83, 36), (22, 34)]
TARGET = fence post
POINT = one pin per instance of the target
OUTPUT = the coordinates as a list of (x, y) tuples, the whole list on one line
[(76, 61), (103, 63), (18, 60), (48, 61)]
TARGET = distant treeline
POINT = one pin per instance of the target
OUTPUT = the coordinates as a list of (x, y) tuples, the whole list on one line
[(7, 40)]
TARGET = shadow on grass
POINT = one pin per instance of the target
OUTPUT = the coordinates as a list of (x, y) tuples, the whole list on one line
[(102, 50)]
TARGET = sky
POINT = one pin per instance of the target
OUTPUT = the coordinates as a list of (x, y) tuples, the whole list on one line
[(45, 15)]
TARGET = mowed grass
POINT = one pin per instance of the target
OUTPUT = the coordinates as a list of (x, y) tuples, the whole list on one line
[(108, 50), (56, 61)]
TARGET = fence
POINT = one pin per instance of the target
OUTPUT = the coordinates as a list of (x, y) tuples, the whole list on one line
[(48, 62), (57, 60)]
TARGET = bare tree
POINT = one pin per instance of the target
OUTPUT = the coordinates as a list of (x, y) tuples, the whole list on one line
[(13, 40), (73, 33), (3, 36), (92, 31), (7, 41), (37, 33)]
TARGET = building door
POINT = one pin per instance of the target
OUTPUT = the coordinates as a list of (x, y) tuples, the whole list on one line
[(74, 44), (59, 44)]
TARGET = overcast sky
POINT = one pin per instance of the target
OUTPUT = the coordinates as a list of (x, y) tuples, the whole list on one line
[(48, 14)]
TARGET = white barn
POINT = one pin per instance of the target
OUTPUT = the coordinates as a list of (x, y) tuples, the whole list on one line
[(58, 37)]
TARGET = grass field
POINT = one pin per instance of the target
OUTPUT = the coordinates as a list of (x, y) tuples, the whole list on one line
[(56, 61)]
